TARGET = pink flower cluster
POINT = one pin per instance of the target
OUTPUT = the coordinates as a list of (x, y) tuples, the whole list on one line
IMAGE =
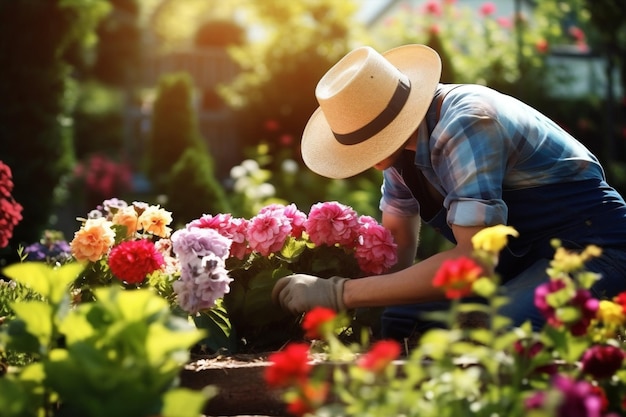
[(10, 210), (103, 178), (328, 223)]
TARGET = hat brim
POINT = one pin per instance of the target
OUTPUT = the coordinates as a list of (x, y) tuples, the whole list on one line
[(324, 155)]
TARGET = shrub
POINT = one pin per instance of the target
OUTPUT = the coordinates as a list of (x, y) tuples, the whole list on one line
[(193, 189), (174, 128)]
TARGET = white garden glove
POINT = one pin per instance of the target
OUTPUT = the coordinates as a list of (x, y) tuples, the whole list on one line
[(299, 293)]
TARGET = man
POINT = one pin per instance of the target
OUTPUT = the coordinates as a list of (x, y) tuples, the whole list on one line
[(461, 158)]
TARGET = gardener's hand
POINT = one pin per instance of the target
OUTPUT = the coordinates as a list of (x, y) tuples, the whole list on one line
[(299, 293)]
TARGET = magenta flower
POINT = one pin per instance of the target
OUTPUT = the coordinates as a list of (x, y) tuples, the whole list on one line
[(133, 260), (602, 361), (579, 398), (268, 231), (332, 223), (376, 251), (582, 300)]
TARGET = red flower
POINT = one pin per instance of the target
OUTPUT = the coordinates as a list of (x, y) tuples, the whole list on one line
[(542, 46), (315, 320), (602, 361), (10, 210), (289, 365), (380, 355), (433, 7), (456, 276), (131, 261)]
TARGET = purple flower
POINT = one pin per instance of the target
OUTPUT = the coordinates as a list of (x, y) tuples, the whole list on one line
[(203, 277), (196, 242), (203, 280)]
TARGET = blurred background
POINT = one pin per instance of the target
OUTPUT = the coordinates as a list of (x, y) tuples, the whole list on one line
[(198, 105)]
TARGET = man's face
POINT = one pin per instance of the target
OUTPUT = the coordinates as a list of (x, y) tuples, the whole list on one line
[(387, 162)]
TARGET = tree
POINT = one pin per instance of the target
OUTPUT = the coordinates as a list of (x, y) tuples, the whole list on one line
[(38, 38), (193, 189), (174, 128), (298, 42)]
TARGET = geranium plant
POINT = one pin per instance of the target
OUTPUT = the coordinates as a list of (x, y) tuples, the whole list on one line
[(573, 366), (332, 240), (10, 210)]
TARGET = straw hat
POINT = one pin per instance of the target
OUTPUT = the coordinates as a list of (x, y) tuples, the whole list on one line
[(370, 103)]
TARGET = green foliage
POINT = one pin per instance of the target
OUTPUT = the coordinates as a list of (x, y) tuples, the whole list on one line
[(35, 117), (174, 128), (118, 50), (298, 42), (193, 189), (98, 120), (274, 177), (118, 355)]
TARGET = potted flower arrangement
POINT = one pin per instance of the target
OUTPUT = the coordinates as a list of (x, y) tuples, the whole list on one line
[(574, 366)]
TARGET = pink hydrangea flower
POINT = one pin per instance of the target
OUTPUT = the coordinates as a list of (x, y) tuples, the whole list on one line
[(295, 216), (332, 223), (376, 251), (268, 231)]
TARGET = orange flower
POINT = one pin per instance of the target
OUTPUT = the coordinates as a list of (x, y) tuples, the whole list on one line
[(311, 397), (380, 355), (155, 220), (93, 240), (315, 321), (456, 276), (127, 216)]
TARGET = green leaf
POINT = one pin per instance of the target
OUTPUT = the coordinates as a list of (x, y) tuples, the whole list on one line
[(183, 402), (37, 317), (50, 282), (220, 333), (292, 249)]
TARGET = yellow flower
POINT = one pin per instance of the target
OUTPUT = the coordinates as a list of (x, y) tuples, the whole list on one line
[(93, 240), (493, 239), (610, 313), (127, 216), (155, 220)]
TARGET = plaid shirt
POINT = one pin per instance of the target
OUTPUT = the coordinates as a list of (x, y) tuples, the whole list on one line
[(483, 144)]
